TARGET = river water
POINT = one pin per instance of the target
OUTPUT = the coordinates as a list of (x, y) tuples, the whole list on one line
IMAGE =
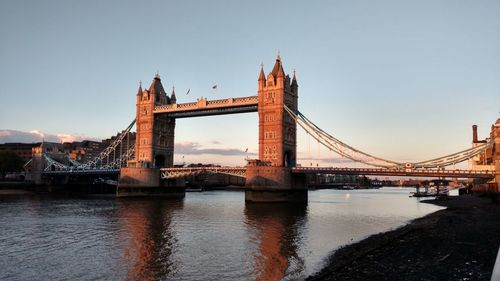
[(205, 236)]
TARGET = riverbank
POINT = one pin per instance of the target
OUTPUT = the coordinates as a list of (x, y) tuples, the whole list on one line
[(457, 243)]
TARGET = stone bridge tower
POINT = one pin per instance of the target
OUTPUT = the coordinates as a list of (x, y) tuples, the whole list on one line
[(269, 179), (154, 147), (277, 130)]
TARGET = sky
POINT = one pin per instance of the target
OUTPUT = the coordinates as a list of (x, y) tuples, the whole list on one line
[(403, 80)]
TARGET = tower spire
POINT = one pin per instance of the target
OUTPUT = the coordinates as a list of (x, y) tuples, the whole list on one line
[(262, 76), (294, 82), (278, 67), (139, 91), (173, 98)]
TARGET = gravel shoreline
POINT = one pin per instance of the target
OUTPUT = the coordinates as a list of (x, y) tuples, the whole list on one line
[(457, 243)]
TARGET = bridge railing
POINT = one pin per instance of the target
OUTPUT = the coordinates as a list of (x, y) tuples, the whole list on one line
[(171, 173), (381, 169), (208, 104), (398, 172)]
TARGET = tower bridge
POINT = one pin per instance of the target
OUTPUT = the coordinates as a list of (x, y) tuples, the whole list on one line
[(146, 169)]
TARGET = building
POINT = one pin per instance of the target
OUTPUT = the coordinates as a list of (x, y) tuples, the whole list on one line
[(23, 150), (483, 161)]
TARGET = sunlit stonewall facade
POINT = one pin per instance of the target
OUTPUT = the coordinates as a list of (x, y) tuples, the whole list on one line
[(268, 179), (490, 159)]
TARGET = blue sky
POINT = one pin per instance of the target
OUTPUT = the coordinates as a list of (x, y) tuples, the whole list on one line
[(403, 80)]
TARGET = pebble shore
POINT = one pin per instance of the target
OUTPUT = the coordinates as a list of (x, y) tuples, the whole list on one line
[(457, 243)]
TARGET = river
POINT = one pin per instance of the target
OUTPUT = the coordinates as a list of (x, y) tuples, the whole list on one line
[(210, 235)]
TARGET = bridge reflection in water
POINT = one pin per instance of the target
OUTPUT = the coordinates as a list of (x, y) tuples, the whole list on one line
[(148, 226), (156, 250), (205, 236), (275, 228)]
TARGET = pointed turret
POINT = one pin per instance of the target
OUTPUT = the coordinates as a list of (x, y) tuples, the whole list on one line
[(294, 79), (139, 91), (156, 88), (278, 73), (262, 76), (294, 85), (278, 68), (173, 98)]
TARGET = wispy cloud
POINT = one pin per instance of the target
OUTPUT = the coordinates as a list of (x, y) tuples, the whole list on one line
[(38, 136), (193, 148)]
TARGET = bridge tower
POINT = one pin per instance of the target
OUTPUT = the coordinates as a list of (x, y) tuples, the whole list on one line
[(269, 179), (154, 145), (277, 130)]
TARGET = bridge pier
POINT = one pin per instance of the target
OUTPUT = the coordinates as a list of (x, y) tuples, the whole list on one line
[(274, 184), (145, 182)]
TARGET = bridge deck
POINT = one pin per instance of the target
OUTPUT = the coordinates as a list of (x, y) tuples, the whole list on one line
[(171, 173), (393, 172), (203, 107), (241, 171), (83, 172)]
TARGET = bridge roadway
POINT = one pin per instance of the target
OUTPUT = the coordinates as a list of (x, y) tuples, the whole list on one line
[(241, 172), (396, 172), (171, 173), (77, 172)]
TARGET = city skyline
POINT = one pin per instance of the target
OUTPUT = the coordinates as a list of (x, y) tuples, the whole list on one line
[(381, 87)]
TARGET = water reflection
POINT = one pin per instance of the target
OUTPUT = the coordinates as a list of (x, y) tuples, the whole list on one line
[(275, 228), (206, 236), (148, 226)]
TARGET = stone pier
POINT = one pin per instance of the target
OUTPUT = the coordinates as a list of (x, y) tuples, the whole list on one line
[(274, 184), (146, 182)]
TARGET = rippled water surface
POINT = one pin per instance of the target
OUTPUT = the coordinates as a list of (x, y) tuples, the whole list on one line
[(205, 236)]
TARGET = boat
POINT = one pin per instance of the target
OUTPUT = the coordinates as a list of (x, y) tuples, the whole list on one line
[(432, 190)]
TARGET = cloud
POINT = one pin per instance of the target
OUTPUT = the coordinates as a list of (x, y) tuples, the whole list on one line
[(193, 148), (38, 136), (72, 138)]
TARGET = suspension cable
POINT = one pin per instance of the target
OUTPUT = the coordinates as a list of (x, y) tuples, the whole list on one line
[(347, 151)]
